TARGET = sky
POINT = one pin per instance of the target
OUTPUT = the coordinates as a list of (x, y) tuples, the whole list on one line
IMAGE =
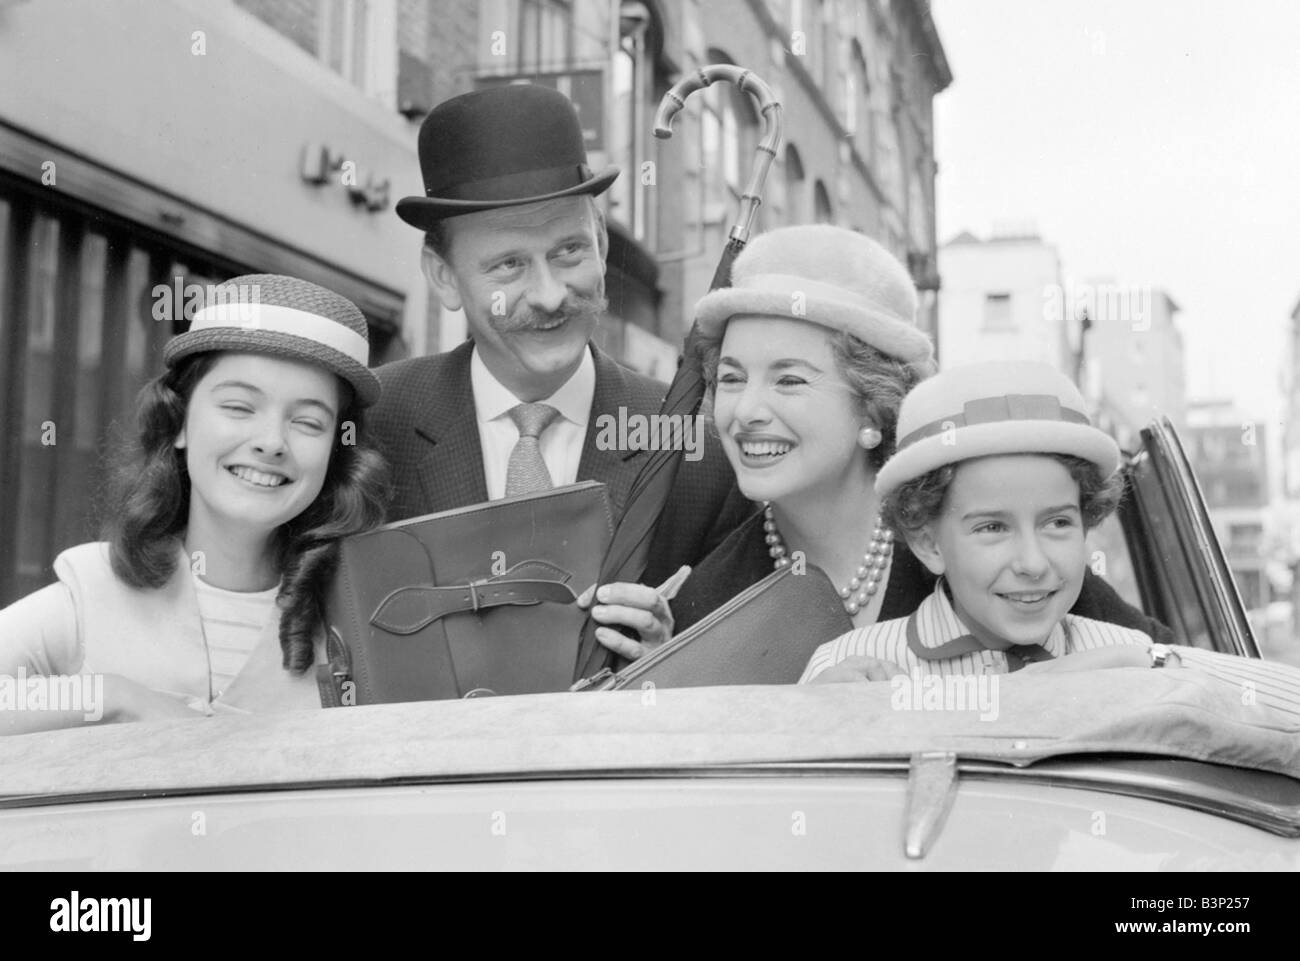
[(1152, 142)]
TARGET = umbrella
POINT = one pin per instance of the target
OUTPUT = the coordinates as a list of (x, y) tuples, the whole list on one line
[(625, 560)]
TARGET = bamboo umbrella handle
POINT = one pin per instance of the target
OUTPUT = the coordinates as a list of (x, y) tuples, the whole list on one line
[(675, 99)]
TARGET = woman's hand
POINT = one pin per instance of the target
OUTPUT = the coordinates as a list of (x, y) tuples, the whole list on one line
[(644, 609), (859, 669)]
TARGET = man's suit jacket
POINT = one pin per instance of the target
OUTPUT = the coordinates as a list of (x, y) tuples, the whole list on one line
[(425, 424)]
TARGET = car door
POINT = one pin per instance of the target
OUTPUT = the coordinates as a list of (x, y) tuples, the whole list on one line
[(1181, 572)]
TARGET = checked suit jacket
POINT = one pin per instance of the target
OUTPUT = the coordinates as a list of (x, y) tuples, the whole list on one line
[(425, 425)]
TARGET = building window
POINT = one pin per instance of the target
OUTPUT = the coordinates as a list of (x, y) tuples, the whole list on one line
[(795, 203), (997, 312), (545, 34), (822, 212), (1247, 538), (358, 40), (918, 213), (728, 125), (632, 86), (888, 166), (857, 102), (827, 53)]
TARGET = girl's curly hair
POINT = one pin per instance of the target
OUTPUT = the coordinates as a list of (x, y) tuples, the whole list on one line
[(148, 502), (916, 502)]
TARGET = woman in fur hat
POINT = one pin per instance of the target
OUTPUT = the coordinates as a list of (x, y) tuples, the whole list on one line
[(808, 356), (206, 594)]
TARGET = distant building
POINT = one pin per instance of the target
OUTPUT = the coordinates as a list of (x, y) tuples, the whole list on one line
[(1229, 456), (1002, 299), (1133, 355), (1291, 411)]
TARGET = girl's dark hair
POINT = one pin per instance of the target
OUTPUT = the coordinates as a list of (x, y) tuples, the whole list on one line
[(915, 503), (879, 381), (148, 506)]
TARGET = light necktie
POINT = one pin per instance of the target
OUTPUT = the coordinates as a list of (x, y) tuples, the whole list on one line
[(527, 471)]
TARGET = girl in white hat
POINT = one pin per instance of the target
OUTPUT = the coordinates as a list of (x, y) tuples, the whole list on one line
[(206, 594), (998, 476)]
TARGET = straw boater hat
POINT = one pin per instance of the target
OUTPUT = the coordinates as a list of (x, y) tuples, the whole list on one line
[(284, 317), (500, 147), (1001, 407), (826, 275)]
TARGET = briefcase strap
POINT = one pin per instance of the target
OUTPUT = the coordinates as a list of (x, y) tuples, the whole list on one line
[(335, 673), (412, 608)]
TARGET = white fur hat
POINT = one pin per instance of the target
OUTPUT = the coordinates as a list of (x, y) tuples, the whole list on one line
[(825, 275), (1000, 407)]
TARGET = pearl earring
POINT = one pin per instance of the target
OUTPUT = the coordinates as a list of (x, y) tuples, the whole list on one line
[(869, 438)]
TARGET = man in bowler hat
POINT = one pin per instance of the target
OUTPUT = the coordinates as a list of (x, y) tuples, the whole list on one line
[(513, 236)]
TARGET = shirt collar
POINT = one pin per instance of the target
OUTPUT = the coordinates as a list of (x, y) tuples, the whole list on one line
[(937, 613), (492, 399)]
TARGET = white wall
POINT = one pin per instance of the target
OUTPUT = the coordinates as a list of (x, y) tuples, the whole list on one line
[(120, 84)]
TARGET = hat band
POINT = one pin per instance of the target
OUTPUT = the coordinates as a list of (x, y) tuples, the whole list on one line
[(516, 186), (792, 285), (992, 410), (284, 320)]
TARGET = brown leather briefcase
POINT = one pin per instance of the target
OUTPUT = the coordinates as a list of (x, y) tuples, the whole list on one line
[(764, 635), (478, 600)]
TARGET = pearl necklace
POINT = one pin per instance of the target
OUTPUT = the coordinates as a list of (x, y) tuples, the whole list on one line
[(864, 583)]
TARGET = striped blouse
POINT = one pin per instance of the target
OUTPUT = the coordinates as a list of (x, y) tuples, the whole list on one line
[(947, 648)]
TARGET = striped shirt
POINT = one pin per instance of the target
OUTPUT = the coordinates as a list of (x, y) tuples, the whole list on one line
[(935, 623), (233, 622)]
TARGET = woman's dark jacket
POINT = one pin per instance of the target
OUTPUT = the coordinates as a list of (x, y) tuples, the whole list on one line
[(742, 559)]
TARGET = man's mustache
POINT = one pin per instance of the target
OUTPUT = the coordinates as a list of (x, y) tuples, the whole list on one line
[(574, 307)]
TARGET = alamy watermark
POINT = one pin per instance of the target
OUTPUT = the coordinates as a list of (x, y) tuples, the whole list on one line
[(633, 432), (75, 914), (1103, 303), (60, 692), (181, 300), (919, 691)]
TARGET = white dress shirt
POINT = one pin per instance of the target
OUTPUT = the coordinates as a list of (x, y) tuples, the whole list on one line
[(561, 443)]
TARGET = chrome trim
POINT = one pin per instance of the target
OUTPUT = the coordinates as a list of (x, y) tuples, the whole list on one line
[(1261, 799), (931, 788)]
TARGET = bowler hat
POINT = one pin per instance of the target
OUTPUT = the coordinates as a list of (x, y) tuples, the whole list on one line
[(825, 275), (284, 317), (500, 147)]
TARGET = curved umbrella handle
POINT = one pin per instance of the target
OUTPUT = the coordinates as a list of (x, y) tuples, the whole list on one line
[(675, 99)]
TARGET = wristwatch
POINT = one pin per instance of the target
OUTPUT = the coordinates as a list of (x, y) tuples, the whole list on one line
[(1160, 654)]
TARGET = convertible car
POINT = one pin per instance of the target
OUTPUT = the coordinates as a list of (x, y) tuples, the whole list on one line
[(1121, 769)]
